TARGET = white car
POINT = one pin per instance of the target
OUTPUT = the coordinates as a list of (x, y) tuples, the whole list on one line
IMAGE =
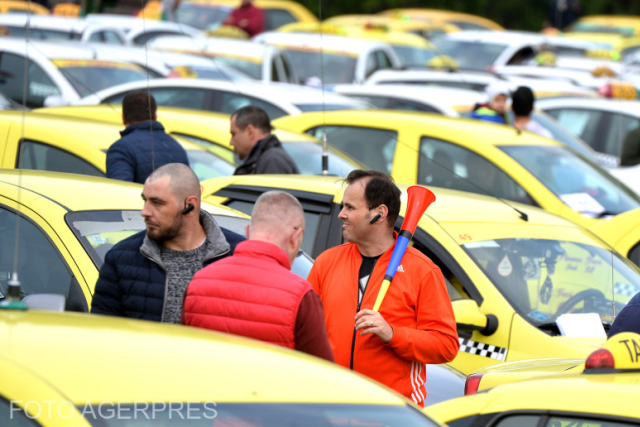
[(59, 74), (329, 60), (479, 50), (261, 62), (277, 99), (139, 32), (42, 27)]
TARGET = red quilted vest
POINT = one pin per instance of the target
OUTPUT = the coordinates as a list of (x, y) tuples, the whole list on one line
[(252, 293)]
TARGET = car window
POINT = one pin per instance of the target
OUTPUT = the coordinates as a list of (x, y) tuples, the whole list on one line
[(382, 60), (207, 165), (391, 103), (522, 420), (308, 159), (411, 56), (276, 18), (619, 126), (111, 38), (147, 36), (14, 416), (38, 156), (443, 164), (374, 148), (202, 16), (230, 102), (12, 81), (372, 66), (22, 242), (275, 77), (195, 99), (249, 66), (89, 77), (336, 68), (471, 55), (580, 122), (287, 72)]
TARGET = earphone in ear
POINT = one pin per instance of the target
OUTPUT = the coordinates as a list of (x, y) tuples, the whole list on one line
[(187, 209), (375, 218)]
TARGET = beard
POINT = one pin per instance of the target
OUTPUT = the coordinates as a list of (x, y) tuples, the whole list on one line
[(162, 234)]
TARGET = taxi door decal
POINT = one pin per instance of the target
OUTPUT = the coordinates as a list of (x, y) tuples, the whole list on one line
[(482, 349)]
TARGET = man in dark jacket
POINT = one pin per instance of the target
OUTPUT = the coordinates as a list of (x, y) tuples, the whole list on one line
[(253, 293), (252, 140), (145, 275), (628, 320), (144, 145)]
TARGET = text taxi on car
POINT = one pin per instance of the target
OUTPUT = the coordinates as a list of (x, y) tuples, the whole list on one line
[(602, 394), (63, 225), (211, 131), (67, 144), (510, 269), (75, 369), (484, 158)]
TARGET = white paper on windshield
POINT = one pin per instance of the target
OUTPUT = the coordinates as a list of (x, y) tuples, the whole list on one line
[(583, 203), (581, 325)]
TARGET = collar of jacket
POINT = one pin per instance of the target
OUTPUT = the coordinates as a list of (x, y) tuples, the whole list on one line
[(264, 250), (146, 125), (219, 245), (261, 146)]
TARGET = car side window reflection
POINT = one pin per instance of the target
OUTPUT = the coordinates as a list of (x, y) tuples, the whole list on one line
[(37, 156), (442, 164), (14, 416), (40, 267), (519, 421)]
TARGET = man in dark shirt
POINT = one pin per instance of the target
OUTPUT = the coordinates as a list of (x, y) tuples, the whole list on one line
[(144, 146), (253, 293), (252, 140)]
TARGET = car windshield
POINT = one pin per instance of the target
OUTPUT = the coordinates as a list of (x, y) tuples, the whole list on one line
[(471, 55), (250, 66), (177, 414), (411, 56), (203, 17), (582, 185), (89, 77), (560, 133), (207, 165), (544, 278), (216, 73), (337, 68), (308, 158), (98, 231)]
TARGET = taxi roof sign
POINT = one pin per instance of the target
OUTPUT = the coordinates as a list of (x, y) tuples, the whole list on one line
[(620, 353)]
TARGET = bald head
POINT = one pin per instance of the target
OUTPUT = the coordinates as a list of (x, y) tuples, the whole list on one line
[(278, 218), (183, 181)]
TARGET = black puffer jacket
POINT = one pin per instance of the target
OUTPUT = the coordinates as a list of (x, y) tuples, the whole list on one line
[(132, 281), (267, 156)]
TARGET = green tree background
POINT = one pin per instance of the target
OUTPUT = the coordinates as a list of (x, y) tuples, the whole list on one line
[(512, 14)]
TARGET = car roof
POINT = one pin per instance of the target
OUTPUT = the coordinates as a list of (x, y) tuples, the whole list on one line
[(155, 362), (56, 50), (317, 41), (627, 107), (204, 45), (426, 75), (284, 95), (45, 21)]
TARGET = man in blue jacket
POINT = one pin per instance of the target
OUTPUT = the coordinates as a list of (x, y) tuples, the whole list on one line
[(145, 276), (144, 145)]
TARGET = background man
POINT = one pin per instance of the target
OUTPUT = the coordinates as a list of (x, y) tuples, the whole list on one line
[(254, 293), (145, 275), (252, 140), (496, 108), (522, 101), (247, 17), (144, 145), (415, 324)]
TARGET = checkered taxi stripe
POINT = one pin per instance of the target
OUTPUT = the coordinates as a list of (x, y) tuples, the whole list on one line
[(624, 289), (482, 349)]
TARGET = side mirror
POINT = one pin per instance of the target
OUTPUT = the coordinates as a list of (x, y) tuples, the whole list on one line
[(469, 318), (50, 302)]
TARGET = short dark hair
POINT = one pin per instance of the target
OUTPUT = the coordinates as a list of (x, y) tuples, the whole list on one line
[(138, 106), (252, 115), (522, 101), (379, 190)]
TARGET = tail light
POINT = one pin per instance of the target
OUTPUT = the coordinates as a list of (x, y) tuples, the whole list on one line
[(472, 383)]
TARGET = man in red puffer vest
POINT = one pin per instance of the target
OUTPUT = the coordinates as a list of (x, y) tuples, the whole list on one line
[(254, 293)]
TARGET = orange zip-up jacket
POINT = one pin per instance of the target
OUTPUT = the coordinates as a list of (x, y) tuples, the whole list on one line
[(416, 306)]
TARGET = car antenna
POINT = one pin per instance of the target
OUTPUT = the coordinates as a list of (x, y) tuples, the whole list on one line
[(325, 144)]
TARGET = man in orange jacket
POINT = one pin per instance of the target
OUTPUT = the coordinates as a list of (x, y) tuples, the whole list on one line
[(415, 324)]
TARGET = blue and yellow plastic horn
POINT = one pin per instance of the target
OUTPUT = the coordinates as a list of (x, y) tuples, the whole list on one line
[(419, 200)]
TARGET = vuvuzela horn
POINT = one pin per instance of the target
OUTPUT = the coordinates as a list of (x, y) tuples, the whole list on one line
[(419, 200)]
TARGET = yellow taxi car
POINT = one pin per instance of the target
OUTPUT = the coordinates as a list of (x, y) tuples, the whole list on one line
[(426, 29), (56, 228), (21, 6), (211, 131), (412, 49), (509, 271), (464, 21), (484, 158), (73, 369), (603, 394), (29, 140), (208, 14)]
